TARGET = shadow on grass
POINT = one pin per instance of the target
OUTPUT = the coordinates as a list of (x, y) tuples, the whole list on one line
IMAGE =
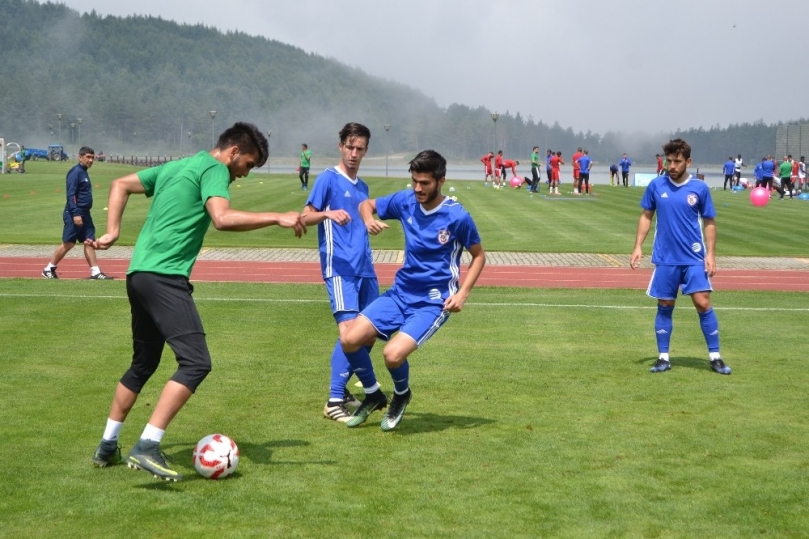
[(418, 423), (688, 362)]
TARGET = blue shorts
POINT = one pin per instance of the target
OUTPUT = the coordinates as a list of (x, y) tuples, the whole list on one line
[(389, 314), (73, 233), (666, 280), (350, 295)]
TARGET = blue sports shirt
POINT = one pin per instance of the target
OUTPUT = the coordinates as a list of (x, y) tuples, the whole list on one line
[(730, 168), (434, 242), (79, 191), (344, 249), (767, 168), (584, 163), (625, 164), (680, 210), (758, 171)]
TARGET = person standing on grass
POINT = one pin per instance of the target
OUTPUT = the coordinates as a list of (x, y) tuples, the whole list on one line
[(585, 164), (306, 162), (684, 251), (345, 255), (625, 164), (738, 163), (556, 161), (730, 171), (575, 162), (535, 173), (548, 168), (785, 170), (79, 226), (659, 159), (487, 168), (187, 196), (614, 175), (426, 288)]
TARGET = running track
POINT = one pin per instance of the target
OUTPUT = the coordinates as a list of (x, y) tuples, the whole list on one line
[(493, 275)]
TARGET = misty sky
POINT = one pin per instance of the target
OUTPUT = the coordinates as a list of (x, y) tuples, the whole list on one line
[(599, 65)]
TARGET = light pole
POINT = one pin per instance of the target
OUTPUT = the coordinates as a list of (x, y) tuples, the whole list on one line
[(269, 134), (72, 127), (79, 120), (495, 116), (213, 115), (189, 142), (60, 127), (387, 149)]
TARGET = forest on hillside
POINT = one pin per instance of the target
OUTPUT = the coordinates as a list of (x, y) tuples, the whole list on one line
[(148, 85)]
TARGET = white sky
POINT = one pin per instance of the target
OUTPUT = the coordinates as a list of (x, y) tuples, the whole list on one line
[(600, 65)]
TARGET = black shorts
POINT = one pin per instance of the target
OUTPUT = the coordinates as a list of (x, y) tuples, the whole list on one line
[(584, 177), (72, 233), (164, 312), (625, 174)]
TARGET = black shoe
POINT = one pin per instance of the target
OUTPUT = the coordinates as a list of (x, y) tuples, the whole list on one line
[(50, 273), (719, 366), (661, 365), (396, 410), (374, 401), (108, 452), (147, 456), (100, 276)]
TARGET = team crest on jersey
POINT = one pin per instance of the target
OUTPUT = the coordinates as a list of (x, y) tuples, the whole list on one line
[(692, 199), (443, 236)]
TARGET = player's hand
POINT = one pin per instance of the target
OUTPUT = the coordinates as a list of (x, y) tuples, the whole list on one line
[(375, 227), (710, 266), (455, 303), (293, 220), (103, 243), (77, 220), (341, 217), (634, 261)]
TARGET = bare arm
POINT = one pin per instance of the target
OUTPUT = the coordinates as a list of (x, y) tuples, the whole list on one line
[(120, 190), (455, 302), (644, 225), (226, 218), (710, 247), (310, 216), (367, 210)]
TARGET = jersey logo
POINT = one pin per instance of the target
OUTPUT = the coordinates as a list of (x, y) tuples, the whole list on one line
[(692, 199), (696, 247), (435, 294), (443, 236), (410, 220), (347, 195), (664, 195)]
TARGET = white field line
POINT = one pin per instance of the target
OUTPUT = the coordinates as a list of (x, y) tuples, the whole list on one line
[(470, 304)]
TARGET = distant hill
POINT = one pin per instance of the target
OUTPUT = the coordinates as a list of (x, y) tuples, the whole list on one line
[(141, 84)]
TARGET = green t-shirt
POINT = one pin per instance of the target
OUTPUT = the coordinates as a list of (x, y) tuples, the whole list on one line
[(172, 235), (534, 159), (785, 169), (306, 156)]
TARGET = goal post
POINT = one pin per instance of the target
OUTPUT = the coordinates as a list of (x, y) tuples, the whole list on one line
[(2, 156)]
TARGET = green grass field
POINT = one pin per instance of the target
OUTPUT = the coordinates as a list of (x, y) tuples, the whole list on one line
[(534, 414), (508, 220)]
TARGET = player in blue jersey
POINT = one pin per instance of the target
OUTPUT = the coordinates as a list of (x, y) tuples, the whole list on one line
[(625, 163), (730, 172), (426, 288), (683, 253), (345, 255), (585, 164)]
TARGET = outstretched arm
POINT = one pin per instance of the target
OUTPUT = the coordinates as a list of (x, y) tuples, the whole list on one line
[(455, 302), (311, 216), (644, 225), (367, 210), (226, 218)]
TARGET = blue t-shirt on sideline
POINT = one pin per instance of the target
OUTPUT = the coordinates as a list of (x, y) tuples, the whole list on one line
[(345, 250), (434, 242), (730, 168), (584, 163), (679, 211), (625, 164)]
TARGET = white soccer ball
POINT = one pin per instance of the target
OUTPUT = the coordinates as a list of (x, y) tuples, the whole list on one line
[(216, 456), (451, 189)]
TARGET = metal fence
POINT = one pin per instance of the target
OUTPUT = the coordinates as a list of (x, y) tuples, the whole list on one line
[(792, 140)]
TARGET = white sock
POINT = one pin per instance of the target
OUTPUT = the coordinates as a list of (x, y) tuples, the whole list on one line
[(95, 270), (664, 356), (112, 430), (369, 390), (49, 266), (152, 433), (714, 355)]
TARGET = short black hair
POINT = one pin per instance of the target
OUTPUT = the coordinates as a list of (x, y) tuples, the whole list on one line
[(677, 146), (248, 138), (353, 129), (429, 161), (84, 150)]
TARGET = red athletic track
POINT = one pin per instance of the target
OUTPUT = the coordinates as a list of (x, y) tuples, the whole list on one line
[(521, 276)]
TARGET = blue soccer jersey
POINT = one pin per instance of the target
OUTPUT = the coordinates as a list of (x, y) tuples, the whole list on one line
[(434, 242), (680, 210), (344, 249), (584, 163)]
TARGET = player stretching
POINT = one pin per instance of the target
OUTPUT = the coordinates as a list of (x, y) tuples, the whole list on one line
[(487, 168), (345, 254), (426, 288), (682, 253)]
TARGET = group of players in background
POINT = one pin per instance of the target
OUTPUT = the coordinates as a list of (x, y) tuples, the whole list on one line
[(787, 177)]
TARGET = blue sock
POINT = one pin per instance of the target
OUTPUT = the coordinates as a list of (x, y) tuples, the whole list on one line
[(710, 328), (360, 362), (663, 327), (401, 377), (340, 372)]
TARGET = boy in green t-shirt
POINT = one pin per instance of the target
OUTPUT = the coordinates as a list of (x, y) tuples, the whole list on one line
[(303, 170), (187, 196)]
